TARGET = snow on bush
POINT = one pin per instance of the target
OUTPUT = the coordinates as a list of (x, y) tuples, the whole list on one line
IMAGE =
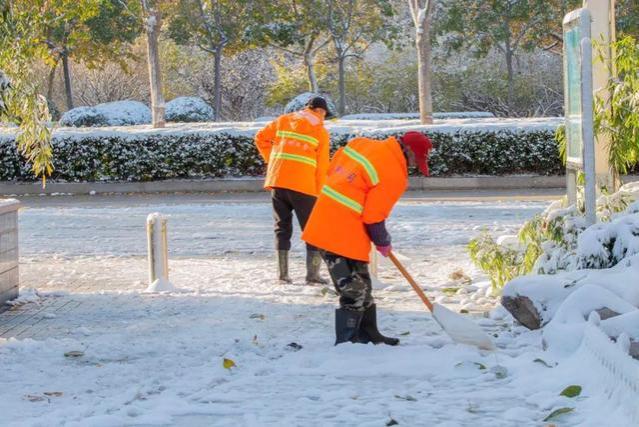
[(188, 109), (557, 240), (217, 150), (117, 113), (299, 102), (604, 245), (415, 116), (83, 117), (565, 300), (614, 238), (592, 269)]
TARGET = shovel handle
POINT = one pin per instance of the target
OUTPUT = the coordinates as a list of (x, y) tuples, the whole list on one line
[(412, 281)]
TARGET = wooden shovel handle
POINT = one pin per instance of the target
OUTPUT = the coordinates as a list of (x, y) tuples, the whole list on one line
[(412, 281)]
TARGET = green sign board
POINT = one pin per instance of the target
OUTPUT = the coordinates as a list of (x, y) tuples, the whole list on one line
[(578, 105), (572, 76), (576, 27)]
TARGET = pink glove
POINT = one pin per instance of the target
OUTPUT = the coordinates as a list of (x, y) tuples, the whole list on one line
[(384, 250)]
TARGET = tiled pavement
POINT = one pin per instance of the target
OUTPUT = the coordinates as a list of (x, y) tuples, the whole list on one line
[(34, 320), (64, 288)]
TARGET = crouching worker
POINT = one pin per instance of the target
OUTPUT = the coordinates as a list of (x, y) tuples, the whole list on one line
[(295, 147), (365, 180)]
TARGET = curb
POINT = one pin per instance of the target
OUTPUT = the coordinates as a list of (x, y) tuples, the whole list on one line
[(255, 185)]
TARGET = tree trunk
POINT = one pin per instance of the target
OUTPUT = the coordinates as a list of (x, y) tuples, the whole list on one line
[(341, 107), (313, 86), (217, 84), (50, 81), (424, 72), (153, 25), (511, 78), (67, 79)]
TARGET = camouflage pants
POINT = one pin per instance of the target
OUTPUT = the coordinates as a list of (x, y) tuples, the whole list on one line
[(352, 281)]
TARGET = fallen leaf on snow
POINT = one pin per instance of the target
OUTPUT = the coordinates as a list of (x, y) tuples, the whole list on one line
[(557, 412), (407, 397), (571, 391), (54, 393), (450, 291), (74, 353), (543, 362), (228, 363), (294, 346), (459, 276)]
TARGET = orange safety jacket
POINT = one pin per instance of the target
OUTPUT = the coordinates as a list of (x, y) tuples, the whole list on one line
[(296, 148), (365, 180)]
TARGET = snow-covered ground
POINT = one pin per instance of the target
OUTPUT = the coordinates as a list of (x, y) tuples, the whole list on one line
[(158, 359)]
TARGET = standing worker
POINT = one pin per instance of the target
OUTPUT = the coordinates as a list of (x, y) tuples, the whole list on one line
[(296, 148), (365, 180)]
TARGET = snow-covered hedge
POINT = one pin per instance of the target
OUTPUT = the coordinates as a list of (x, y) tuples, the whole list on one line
[(415, 116), (300, 101), (188, 109), (118, 113), (216, 150)]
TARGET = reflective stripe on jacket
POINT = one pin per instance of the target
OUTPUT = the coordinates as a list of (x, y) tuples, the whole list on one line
[(365, 180), (296, 148)]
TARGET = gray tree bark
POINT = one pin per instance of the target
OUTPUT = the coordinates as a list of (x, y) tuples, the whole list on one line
[(218, 84), (67, 79), (341, 68), (422, 16), (153, 25), (309, 63)]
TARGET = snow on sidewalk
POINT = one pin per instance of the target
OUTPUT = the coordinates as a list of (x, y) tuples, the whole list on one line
[(157, 359)]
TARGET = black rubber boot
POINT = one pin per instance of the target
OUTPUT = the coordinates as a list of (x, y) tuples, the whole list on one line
[(347, 324), (313, 264), (368, 328), (282, 266)]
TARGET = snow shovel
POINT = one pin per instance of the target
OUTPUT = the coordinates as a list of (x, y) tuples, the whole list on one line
[(456, 326)]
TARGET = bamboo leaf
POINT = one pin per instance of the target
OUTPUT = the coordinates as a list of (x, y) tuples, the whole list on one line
[(557, 412)]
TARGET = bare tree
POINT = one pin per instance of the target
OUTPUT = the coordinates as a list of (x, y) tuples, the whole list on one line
[(109, 83), (353, 26), (421, 12), (216, 27)]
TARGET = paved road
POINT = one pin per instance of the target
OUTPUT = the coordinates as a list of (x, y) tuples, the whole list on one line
[(120, 200)]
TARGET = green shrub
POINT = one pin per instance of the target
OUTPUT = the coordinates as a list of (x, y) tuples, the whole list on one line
[(143, 155)]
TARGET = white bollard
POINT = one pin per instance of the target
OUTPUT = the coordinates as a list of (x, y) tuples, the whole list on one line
[(156, 230)]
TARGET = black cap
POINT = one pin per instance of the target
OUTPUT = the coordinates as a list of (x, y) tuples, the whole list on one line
[(319, 102)]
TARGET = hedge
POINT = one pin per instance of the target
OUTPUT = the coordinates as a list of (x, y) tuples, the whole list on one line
[(167, 154)]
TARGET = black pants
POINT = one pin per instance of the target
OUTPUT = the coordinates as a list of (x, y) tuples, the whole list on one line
[(285, 202), (352, 281)]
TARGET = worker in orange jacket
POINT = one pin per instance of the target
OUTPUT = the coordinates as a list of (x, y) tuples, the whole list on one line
[(365, 180), (295, 147)]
